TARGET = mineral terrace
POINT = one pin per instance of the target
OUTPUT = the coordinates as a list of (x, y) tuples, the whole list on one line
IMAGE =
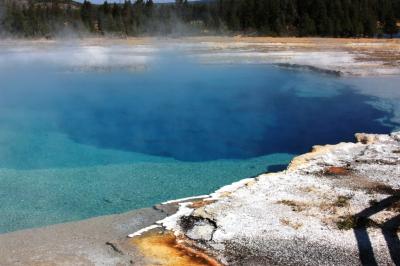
[(338, 204)]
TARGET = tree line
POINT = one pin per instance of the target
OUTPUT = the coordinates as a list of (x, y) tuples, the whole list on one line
[(333, 18)]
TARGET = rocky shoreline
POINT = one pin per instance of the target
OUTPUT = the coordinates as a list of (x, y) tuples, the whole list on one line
[(87, 242), (337, 205)]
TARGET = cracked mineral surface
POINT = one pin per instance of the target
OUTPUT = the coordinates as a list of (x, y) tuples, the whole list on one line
[(338, 204)]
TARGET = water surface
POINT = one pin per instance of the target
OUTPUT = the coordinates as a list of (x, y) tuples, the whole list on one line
[(82, 143)]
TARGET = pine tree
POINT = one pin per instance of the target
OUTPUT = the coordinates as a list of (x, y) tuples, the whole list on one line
[(149, 8), (87, 15), (338, 18), (390, 26)]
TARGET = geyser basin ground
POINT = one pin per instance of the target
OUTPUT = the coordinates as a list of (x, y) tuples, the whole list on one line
[(79, 141)]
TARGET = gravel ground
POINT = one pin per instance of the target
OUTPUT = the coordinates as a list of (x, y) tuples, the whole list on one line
[(85, 242)]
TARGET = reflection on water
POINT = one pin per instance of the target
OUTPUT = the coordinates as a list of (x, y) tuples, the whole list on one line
[(81, 144)]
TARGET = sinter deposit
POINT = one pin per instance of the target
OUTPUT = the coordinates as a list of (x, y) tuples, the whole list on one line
[(338, 204)]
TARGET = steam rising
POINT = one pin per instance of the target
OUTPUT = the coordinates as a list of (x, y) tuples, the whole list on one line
[(79, 57)]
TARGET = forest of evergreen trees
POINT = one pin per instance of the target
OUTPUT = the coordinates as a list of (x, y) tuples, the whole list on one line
[(337, 18)]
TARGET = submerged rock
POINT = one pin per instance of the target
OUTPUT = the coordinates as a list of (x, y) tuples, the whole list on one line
[(337, 205)]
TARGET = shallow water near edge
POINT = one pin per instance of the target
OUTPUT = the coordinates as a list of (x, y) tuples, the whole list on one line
[(79, 144)]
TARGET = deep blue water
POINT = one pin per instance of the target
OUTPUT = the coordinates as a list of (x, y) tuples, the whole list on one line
[(220, 113), (81, 144)]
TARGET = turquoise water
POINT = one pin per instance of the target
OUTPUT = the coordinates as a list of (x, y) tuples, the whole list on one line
[(79, 144)]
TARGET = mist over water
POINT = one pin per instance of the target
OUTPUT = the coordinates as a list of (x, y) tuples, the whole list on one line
[(84, 133)]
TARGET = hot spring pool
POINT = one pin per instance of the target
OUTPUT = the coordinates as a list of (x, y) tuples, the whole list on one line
[(79, 144)]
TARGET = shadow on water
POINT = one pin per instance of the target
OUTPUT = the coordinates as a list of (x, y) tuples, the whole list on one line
[(276, 168), (389, 230)]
